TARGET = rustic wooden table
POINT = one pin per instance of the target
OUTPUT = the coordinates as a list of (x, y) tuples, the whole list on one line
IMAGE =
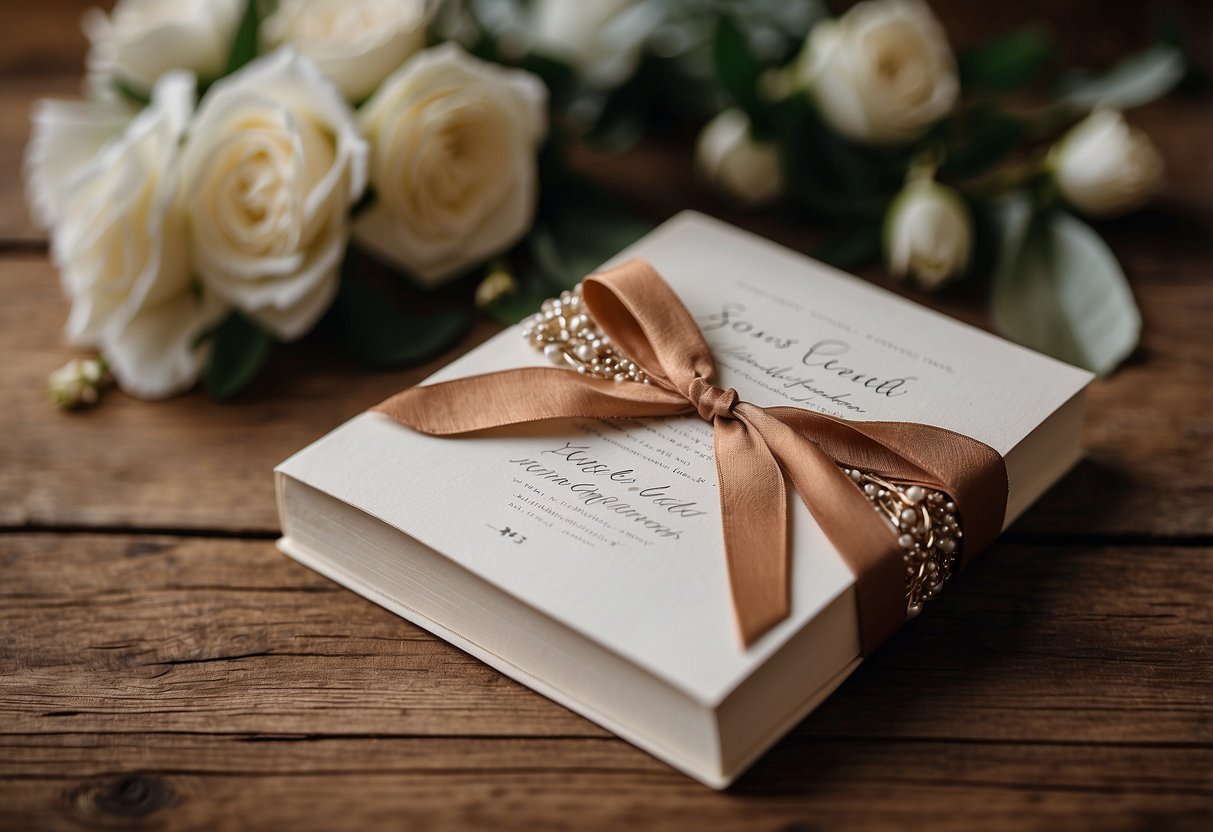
[(162, 666)]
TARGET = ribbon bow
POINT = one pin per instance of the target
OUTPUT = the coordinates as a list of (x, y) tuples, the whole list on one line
[(755, 448)]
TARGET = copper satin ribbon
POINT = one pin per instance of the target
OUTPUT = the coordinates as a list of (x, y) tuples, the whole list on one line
[(755, 448)]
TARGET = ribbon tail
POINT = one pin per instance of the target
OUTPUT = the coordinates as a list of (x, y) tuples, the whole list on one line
[(848, 520), (753, 504), (527, 394)]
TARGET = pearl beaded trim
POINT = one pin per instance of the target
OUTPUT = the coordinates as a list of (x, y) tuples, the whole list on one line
[(928, 528), (925, 520), (568, 337)]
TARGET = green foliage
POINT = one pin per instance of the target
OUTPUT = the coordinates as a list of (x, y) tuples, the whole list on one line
[(851, 247), (374, 332), (739, 72), (980, 139), (1006, 63), (831, 177), (139, 98), (244, 41), (578, 230), (1058, 288), (1137, 80), (239, 349)]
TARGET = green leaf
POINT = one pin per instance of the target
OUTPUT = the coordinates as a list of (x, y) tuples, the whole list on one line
[(579, 231), (1137, 80), (239, 349), (128, 91), (534, 288), (988, 136), (377, 334), (851, 247), (738, 72), (1006, 63), (244, 41), (1058, 289), (827, 174)]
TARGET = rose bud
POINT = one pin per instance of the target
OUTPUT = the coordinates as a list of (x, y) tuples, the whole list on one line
[(1102, 166)]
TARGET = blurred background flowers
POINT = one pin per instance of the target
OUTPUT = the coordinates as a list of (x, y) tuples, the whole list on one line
[(242, 173)]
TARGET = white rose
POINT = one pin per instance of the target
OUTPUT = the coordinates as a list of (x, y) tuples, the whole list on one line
[(140, 40), (729, 157), (272, 163), (881, 73), (355, 42), (453, 167), (603, 40), (110, 191), (928, 233), (1103, 166)]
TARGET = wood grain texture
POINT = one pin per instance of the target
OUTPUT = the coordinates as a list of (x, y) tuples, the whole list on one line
[(163, 667), (181, 680)]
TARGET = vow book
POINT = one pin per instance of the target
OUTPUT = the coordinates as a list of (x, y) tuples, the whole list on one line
[(512, 544)]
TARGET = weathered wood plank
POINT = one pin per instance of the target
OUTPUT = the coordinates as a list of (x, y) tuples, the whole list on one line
[(137, 634), (186, 463), (230, 783), (193, 464), (182, 681)]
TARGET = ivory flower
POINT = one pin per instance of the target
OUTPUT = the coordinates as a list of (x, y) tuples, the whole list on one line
[(140, 40), (882, 73), (1103, 166), (118, 233), (272, 163), (928, 234), (729, 157), (357, 43), (453, 162)]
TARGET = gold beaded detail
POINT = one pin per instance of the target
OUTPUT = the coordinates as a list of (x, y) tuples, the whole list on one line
[(568, 337), (925, 520), (927, 526)]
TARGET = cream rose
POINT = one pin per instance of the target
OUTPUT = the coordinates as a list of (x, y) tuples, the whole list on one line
[(110, 193), (881, 73), (603, 40), (453, 147), (355, 42), (140, 40), (728, 157), (928, 234), (1103, 166), (272, 163)]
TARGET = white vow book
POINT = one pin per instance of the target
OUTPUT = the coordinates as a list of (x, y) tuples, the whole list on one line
[(585, 559)]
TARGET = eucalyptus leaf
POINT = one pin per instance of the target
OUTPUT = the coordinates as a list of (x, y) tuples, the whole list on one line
[(1005, 63), (239, 349), (377, 334), (1137, 80), (1058, 289)]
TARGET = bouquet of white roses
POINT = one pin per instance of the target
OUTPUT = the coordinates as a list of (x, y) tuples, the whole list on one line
[(202, 201), (209, 197)]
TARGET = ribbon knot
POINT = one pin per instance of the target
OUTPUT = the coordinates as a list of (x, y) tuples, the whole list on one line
[(711, 402), (756, 449)]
